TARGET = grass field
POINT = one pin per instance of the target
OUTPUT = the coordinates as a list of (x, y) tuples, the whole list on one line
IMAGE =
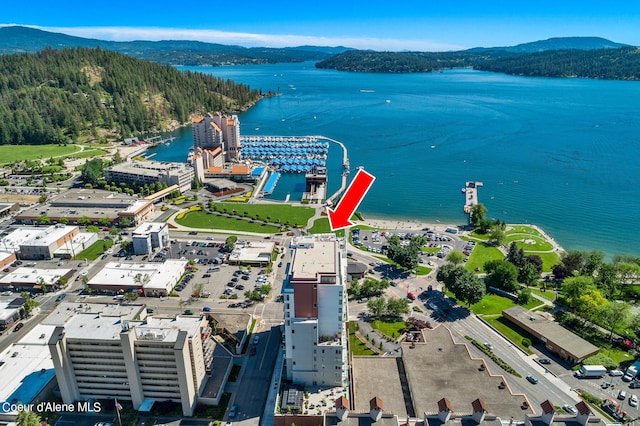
[(320, 226), (293, 215), (533, 243), (390, 329), (356, 346), (88, 153), (202, 220), (523, 229), (94, 250), (492, 304), (514, 333), (481, 254), (549, 294), (549, 260), (11, 153)]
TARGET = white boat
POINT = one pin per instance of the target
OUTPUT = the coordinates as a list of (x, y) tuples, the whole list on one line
[(388, 101)]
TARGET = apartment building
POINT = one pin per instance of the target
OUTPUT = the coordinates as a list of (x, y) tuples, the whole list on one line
[(315, 304), (158, 359)]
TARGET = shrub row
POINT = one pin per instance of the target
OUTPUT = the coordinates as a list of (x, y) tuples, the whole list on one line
[(501, 363)]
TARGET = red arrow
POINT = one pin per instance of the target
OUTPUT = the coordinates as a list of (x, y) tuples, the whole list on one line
[(339, 218)]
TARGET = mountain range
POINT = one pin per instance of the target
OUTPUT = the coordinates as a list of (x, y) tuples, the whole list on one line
[(19, 39)]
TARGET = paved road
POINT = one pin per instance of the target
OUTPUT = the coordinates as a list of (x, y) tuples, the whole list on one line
[(249, 392)]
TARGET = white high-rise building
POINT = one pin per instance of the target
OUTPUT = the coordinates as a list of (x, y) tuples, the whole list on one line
[(315, 303), (106, 357)]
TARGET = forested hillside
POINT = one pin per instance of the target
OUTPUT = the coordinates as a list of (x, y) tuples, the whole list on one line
[(611, 64), (607, 64), (61, 95)]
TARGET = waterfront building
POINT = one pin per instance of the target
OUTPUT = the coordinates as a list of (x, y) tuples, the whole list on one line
[(252, 253), (315, 305), (96, 205), (156, 359), (217, 130), (204, 158), (150, 236), (147, 172)]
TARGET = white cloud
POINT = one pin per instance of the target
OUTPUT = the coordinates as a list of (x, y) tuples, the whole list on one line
[(247, 39)]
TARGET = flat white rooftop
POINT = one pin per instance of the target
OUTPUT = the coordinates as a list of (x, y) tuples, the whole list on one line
[(24, 275), (66, 310), (98, 327), (49, 235), (77, 244), (135, 206), (124, 274), (321, 258), (26, 366), (253, 252), (149, 228), (12, 241)]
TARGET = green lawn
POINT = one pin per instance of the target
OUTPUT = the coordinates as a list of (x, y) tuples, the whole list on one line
[(549, 294), (356, 346), (430, 249), (286, 213), (534, 243), (477, 236), (549, 260), (202, 220), (320, 226), (11, 153), (617, 354), (514, 333), (492, 304), (389, 328), (94, 250), (481, 254), (522, 229), (88, 153), (420, 270)]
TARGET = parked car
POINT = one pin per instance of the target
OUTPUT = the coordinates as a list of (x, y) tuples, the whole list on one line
[(206, 309), (570, 409), (544, 361), (622, 395), (188, 312), (616, 373), (256, 339), (533, 380), (233, 410), (634, 385), (18, 327), (633, 401)]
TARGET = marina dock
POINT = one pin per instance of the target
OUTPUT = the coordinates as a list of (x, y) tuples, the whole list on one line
[(470, 195)]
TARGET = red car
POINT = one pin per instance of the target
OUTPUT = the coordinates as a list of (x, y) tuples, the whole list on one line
[(18, 327), (411, 296), (6, 269)]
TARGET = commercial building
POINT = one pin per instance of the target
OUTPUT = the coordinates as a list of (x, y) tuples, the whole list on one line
[(26, 370), (29, 279), (150, 236), (315, 306), (217, 130), (252, 253), (557, 339), (151, 279), (150, 172), (156, 359), (59, 241), (96, 205), (10, 311), (204, 158)]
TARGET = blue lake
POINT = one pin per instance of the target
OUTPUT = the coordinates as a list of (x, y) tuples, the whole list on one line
[(560, 153)]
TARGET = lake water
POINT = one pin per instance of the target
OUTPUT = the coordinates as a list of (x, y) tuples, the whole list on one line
[(560, 153)]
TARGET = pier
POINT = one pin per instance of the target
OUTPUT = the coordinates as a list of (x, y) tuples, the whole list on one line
[(345, 170), (471, 195)]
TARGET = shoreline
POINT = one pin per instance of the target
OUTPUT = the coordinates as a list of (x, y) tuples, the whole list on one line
[(416, 225)]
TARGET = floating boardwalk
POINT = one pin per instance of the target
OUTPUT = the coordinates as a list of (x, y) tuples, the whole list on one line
[(471, 195)]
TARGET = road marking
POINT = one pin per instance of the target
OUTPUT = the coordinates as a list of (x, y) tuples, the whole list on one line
[(265, 351)]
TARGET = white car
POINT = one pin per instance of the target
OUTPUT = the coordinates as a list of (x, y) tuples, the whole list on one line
[(633, 401), (616, 373)]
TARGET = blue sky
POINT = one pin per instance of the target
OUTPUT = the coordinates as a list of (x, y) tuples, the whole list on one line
[(374, 24)]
